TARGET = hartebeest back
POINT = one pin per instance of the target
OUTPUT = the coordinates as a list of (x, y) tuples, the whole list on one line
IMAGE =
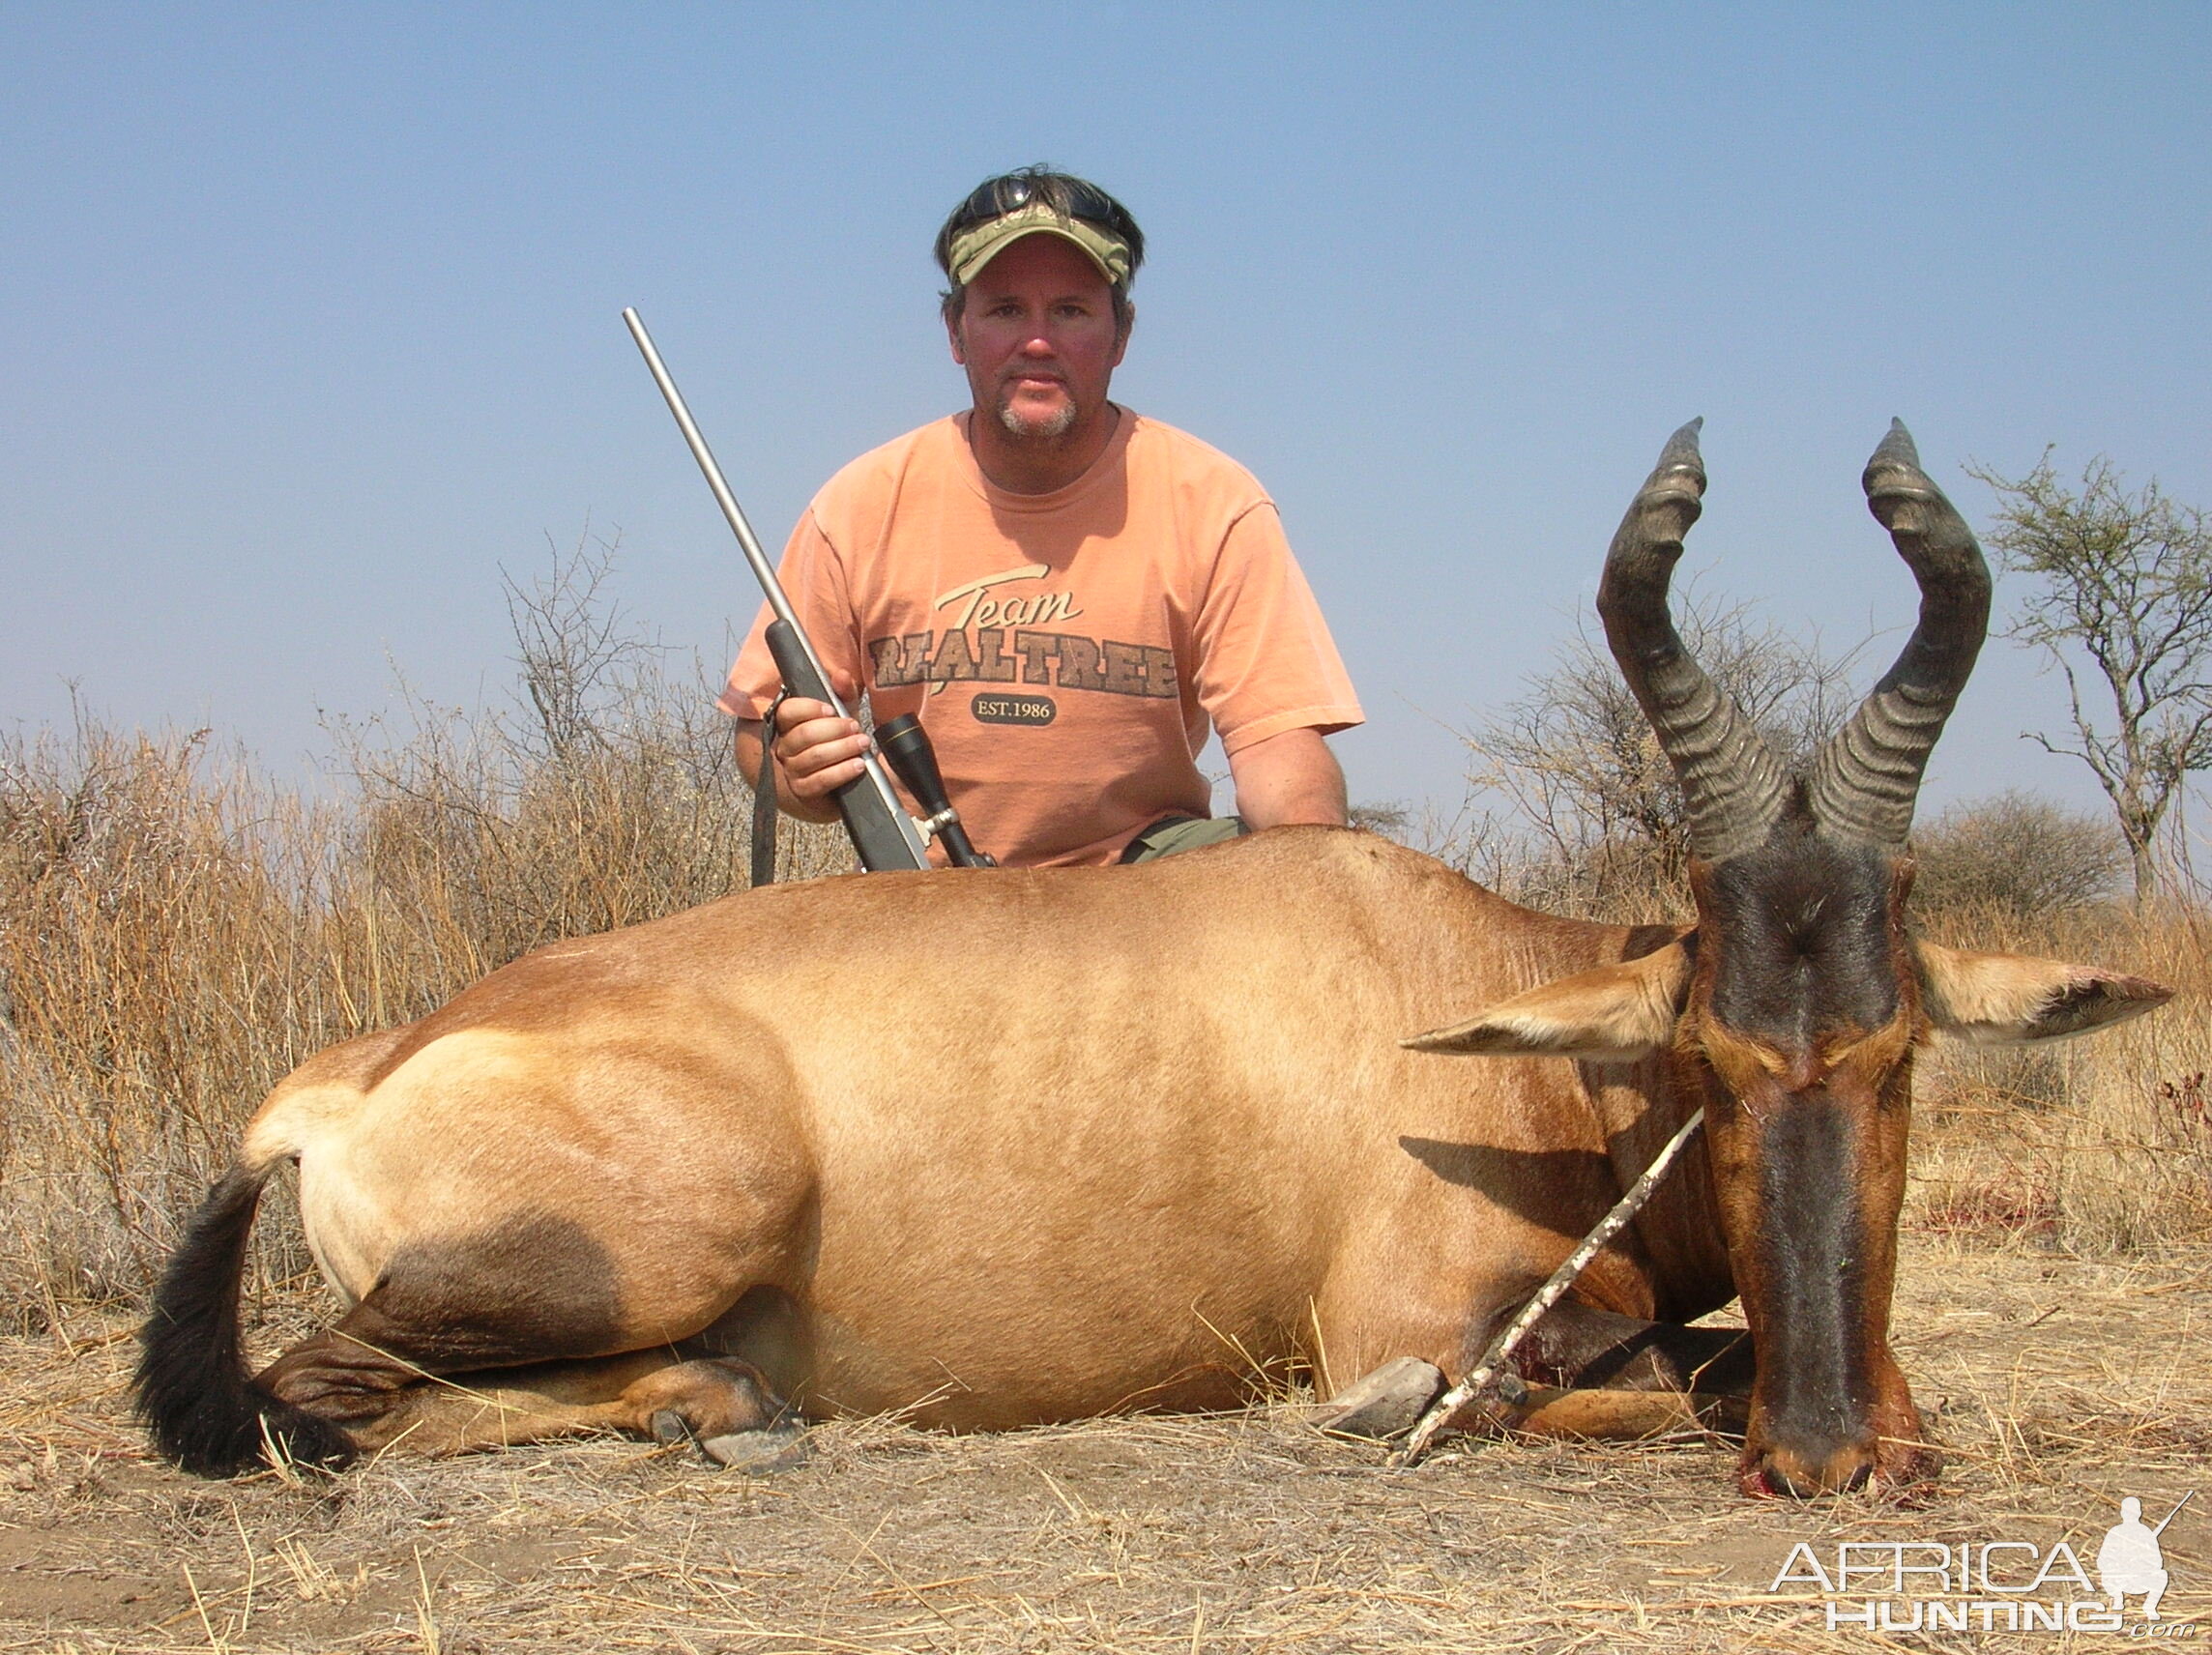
[(995, 1148)]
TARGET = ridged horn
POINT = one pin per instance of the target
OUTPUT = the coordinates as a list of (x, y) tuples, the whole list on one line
[(1867, 778), (1731, 785)]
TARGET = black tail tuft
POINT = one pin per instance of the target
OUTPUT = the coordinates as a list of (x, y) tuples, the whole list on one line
[(191, 1386)]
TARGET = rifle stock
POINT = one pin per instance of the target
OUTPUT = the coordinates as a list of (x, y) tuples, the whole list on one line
[(873, 826)]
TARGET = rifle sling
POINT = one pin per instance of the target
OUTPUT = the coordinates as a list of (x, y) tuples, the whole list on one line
[(763, 797)]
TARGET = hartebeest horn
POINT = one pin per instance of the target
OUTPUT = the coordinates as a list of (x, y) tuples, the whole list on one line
[(1731, 785), (1866, 777)]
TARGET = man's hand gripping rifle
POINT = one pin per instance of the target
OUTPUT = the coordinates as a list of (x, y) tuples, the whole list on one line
[(883, 834)]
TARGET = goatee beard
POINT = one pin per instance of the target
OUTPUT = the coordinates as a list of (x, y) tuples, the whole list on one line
[(1049, 429)]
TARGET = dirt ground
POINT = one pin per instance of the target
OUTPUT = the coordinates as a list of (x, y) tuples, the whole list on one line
[(2060, 1386)]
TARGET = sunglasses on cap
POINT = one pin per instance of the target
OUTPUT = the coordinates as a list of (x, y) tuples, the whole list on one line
[(996, 197)]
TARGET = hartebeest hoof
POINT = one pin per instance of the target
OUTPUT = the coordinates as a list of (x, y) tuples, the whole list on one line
[(759, 1453), (1384, 1405), (669, 1429), (724, 1408), (697, 1400)]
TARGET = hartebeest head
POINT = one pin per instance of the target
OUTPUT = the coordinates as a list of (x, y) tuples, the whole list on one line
[(1792, 1010)]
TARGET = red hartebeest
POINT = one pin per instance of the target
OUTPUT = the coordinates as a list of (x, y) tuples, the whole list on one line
[(997, 1147)]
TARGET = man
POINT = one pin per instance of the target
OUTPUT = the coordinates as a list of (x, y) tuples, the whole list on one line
[(2130, 1559), (1067, 594)]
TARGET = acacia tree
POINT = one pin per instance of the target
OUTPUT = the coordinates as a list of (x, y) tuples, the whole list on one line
[(2123, 602)]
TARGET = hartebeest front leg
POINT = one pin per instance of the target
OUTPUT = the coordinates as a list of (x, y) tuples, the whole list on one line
[(1582, 1372), (1579, 1347), (1590, 1373)]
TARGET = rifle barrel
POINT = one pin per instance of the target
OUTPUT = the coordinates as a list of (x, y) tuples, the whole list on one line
[(747, 541), (2174, 1513)]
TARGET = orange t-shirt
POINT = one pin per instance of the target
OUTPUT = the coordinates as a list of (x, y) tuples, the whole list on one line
[(1066, 652)]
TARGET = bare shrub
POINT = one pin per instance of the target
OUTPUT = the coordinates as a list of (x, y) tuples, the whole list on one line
[(2120, 600), (579, 657), (1599, 823), (1385, 817), (2017, 853)]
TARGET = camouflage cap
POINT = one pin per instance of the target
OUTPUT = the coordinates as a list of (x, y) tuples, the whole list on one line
[(973, 248)]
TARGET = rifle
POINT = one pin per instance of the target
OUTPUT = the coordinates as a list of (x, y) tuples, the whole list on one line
[(2174, 1513), (881, 832)]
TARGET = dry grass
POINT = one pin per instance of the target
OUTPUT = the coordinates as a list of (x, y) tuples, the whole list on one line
[(2100, 1146), (176, 932), (2062, 1384)]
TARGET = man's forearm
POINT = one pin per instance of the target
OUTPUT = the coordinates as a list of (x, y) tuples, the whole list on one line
[(1286, 779)]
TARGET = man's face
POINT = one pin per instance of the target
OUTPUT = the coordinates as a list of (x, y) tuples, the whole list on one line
[(1036, 335)]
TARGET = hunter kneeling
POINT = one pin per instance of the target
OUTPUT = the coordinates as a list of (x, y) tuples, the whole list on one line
[(1068, 594)]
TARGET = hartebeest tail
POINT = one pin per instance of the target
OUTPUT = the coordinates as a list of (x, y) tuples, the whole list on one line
[(192, 1389)]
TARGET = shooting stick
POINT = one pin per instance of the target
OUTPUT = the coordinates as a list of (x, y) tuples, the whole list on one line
[(1486, 1371)]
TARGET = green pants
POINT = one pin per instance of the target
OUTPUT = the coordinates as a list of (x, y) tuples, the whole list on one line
[(1172, 833)]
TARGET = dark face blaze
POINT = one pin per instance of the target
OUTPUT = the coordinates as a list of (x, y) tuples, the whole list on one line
[(1798, 1033)]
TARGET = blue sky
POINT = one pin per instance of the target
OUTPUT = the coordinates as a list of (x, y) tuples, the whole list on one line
[(312, 312)]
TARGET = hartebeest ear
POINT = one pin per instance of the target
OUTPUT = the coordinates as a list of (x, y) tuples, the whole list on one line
[(1609, 1015), (2009, 1000)]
